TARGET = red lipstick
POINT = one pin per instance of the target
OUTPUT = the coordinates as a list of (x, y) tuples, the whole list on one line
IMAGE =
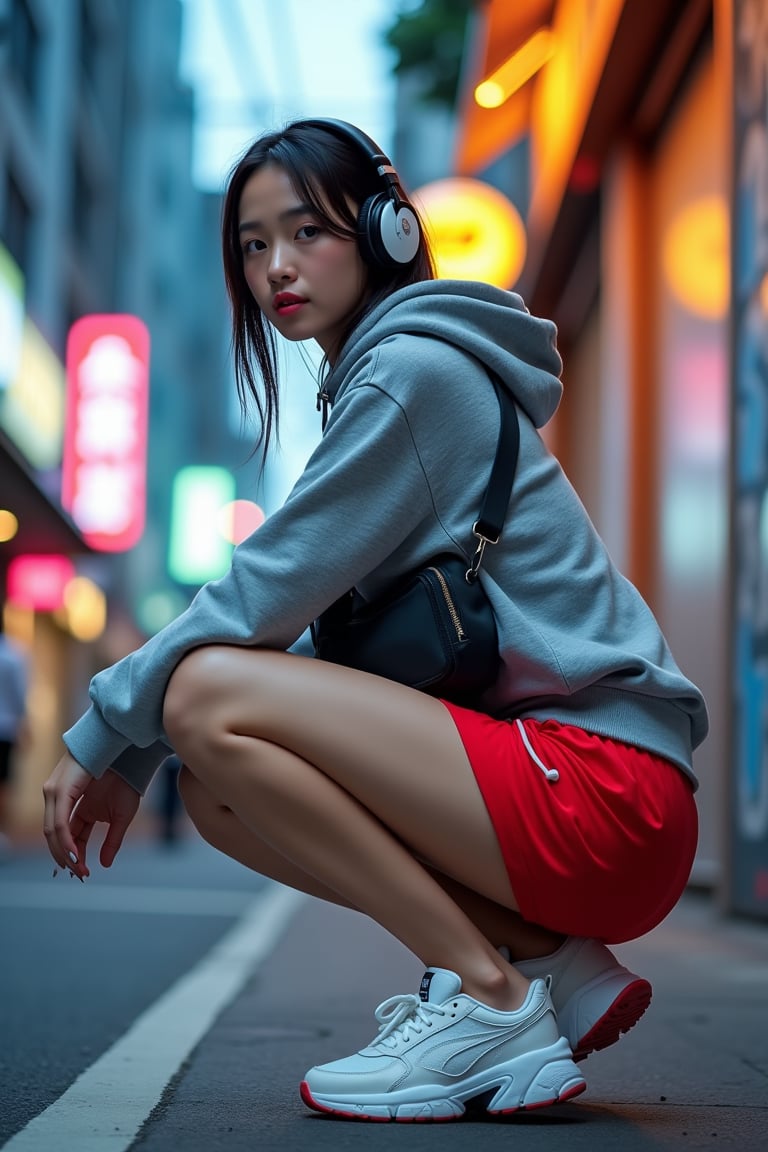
[(286, 303)]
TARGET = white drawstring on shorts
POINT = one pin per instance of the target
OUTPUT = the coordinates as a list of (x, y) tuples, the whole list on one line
[(550, 773)]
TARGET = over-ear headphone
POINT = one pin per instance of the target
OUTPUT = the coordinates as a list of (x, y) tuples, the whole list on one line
[(387, 228)]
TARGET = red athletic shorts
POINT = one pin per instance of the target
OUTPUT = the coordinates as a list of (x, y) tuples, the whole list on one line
[(598, 836)]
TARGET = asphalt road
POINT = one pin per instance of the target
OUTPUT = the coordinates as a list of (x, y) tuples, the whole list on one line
[(80, 963), (175, 1002)]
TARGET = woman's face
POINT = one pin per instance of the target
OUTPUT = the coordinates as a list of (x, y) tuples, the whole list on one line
[(305, 280)]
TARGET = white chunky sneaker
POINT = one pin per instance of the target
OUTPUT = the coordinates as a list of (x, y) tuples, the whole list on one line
[(436, 1052), (596, 998)]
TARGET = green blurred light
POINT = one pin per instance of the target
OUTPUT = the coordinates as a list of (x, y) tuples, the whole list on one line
[(157, 609), (198, 552)]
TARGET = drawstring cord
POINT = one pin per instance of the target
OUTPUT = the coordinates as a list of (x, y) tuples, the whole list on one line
[(322, 400), (550, 773)]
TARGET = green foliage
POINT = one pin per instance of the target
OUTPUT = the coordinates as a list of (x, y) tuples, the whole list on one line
[(428, 38)]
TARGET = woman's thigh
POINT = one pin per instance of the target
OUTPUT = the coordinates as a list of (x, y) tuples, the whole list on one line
[(394, 749)]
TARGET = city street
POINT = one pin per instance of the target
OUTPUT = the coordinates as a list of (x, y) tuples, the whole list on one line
[(259, 263), (177, 1000)]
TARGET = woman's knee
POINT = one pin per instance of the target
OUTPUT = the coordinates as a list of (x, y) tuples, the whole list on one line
[(193, 694)]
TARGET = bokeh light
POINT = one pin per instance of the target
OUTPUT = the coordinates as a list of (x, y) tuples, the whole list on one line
[(475, 230), (9, 525), (239, 518)]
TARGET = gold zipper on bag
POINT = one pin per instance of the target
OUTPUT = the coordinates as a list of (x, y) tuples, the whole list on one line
[(449, 603)]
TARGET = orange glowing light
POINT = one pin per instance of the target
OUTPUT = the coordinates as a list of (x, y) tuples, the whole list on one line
[(9, 525), (695, 257), (763, 294), (516, 70), (475, 231)]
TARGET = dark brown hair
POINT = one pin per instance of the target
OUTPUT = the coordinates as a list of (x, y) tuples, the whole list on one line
[(329, 174)]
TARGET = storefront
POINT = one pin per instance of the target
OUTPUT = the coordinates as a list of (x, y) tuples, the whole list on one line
[(629, 114), (54, 654), (43, 526), (40, 545)]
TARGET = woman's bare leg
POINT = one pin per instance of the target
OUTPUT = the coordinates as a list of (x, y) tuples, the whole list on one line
[(223, 829), (354, 780)]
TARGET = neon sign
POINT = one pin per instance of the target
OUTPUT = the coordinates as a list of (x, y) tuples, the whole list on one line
[(39, 581), (104, 477)]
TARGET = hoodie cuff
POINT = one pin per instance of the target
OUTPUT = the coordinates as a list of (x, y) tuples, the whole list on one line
[(94, 743), (137, 766)]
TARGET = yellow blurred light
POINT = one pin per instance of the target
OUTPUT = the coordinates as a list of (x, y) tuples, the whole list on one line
[(33, 402), (475, 231), (19, 622), (9, 525), (489, 94), (85, 608), (695, 257), (516, 70)]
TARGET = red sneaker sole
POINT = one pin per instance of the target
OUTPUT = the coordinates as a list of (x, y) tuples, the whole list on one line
[(622, 1015)]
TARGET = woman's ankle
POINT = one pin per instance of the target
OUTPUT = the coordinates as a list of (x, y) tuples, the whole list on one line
[(500, 986)]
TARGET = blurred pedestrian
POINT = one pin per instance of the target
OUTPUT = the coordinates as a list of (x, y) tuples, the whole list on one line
[(14, 728), (169, 807), (504, 843)]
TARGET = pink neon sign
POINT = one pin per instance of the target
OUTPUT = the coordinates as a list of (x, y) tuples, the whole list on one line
[(104, 476), (39, 581)]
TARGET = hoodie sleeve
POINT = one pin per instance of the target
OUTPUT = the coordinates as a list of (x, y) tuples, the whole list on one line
[(362, 492)]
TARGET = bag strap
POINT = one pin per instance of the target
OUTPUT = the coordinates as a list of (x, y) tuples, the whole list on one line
[(487, 528)]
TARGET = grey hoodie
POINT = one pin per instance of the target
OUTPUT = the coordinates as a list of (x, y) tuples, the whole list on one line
[(399, 476)]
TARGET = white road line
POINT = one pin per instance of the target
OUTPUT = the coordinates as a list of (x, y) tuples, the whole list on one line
[(65, 895), (108, 1103)]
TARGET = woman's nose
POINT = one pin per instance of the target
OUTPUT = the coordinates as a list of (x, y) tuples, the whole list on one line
[(281, 265)]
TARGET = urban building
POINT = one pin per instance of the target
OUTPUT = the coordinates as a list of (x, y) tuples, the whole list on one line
[(99, 215), (647, 243)]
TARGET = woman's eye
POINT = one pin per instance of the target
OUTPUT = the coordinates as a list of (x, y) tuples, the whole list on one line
[(253, 246), (308, 231)]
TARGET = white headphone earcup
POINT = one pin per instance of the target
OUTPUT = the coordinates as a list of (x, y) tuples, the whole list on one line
[(398, 232)]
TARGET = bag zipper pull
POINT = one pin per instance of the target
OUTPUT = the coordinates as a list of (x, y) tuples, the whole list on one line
[(452, 612)]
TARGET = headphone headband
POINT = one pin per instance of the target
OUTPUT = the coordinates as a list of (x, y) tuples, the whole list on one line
[(388, 230), (343, 130)]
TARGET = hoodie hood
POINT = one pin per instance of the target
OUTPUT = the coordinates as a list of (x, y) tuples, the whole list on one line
[(489, 323)]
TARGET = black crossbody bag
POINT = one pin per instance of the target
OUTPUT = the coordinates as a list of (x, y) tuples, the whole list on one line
[(434, 629)]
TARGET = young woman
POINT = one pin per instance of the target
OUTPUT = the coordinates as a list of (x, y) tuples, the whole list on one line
[(504, 847)]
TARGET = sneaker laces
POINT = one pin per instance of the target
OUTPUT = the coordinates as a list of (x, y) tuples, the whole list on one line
[(399, 1016)]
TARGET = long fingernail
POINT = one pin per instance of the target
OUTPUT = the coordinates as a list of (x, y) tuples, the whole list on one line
[(72, 857), (55, 873)]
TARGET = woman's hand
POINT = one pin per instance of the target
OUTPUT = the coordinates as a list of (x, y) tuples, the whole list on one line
[(74, 802)]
